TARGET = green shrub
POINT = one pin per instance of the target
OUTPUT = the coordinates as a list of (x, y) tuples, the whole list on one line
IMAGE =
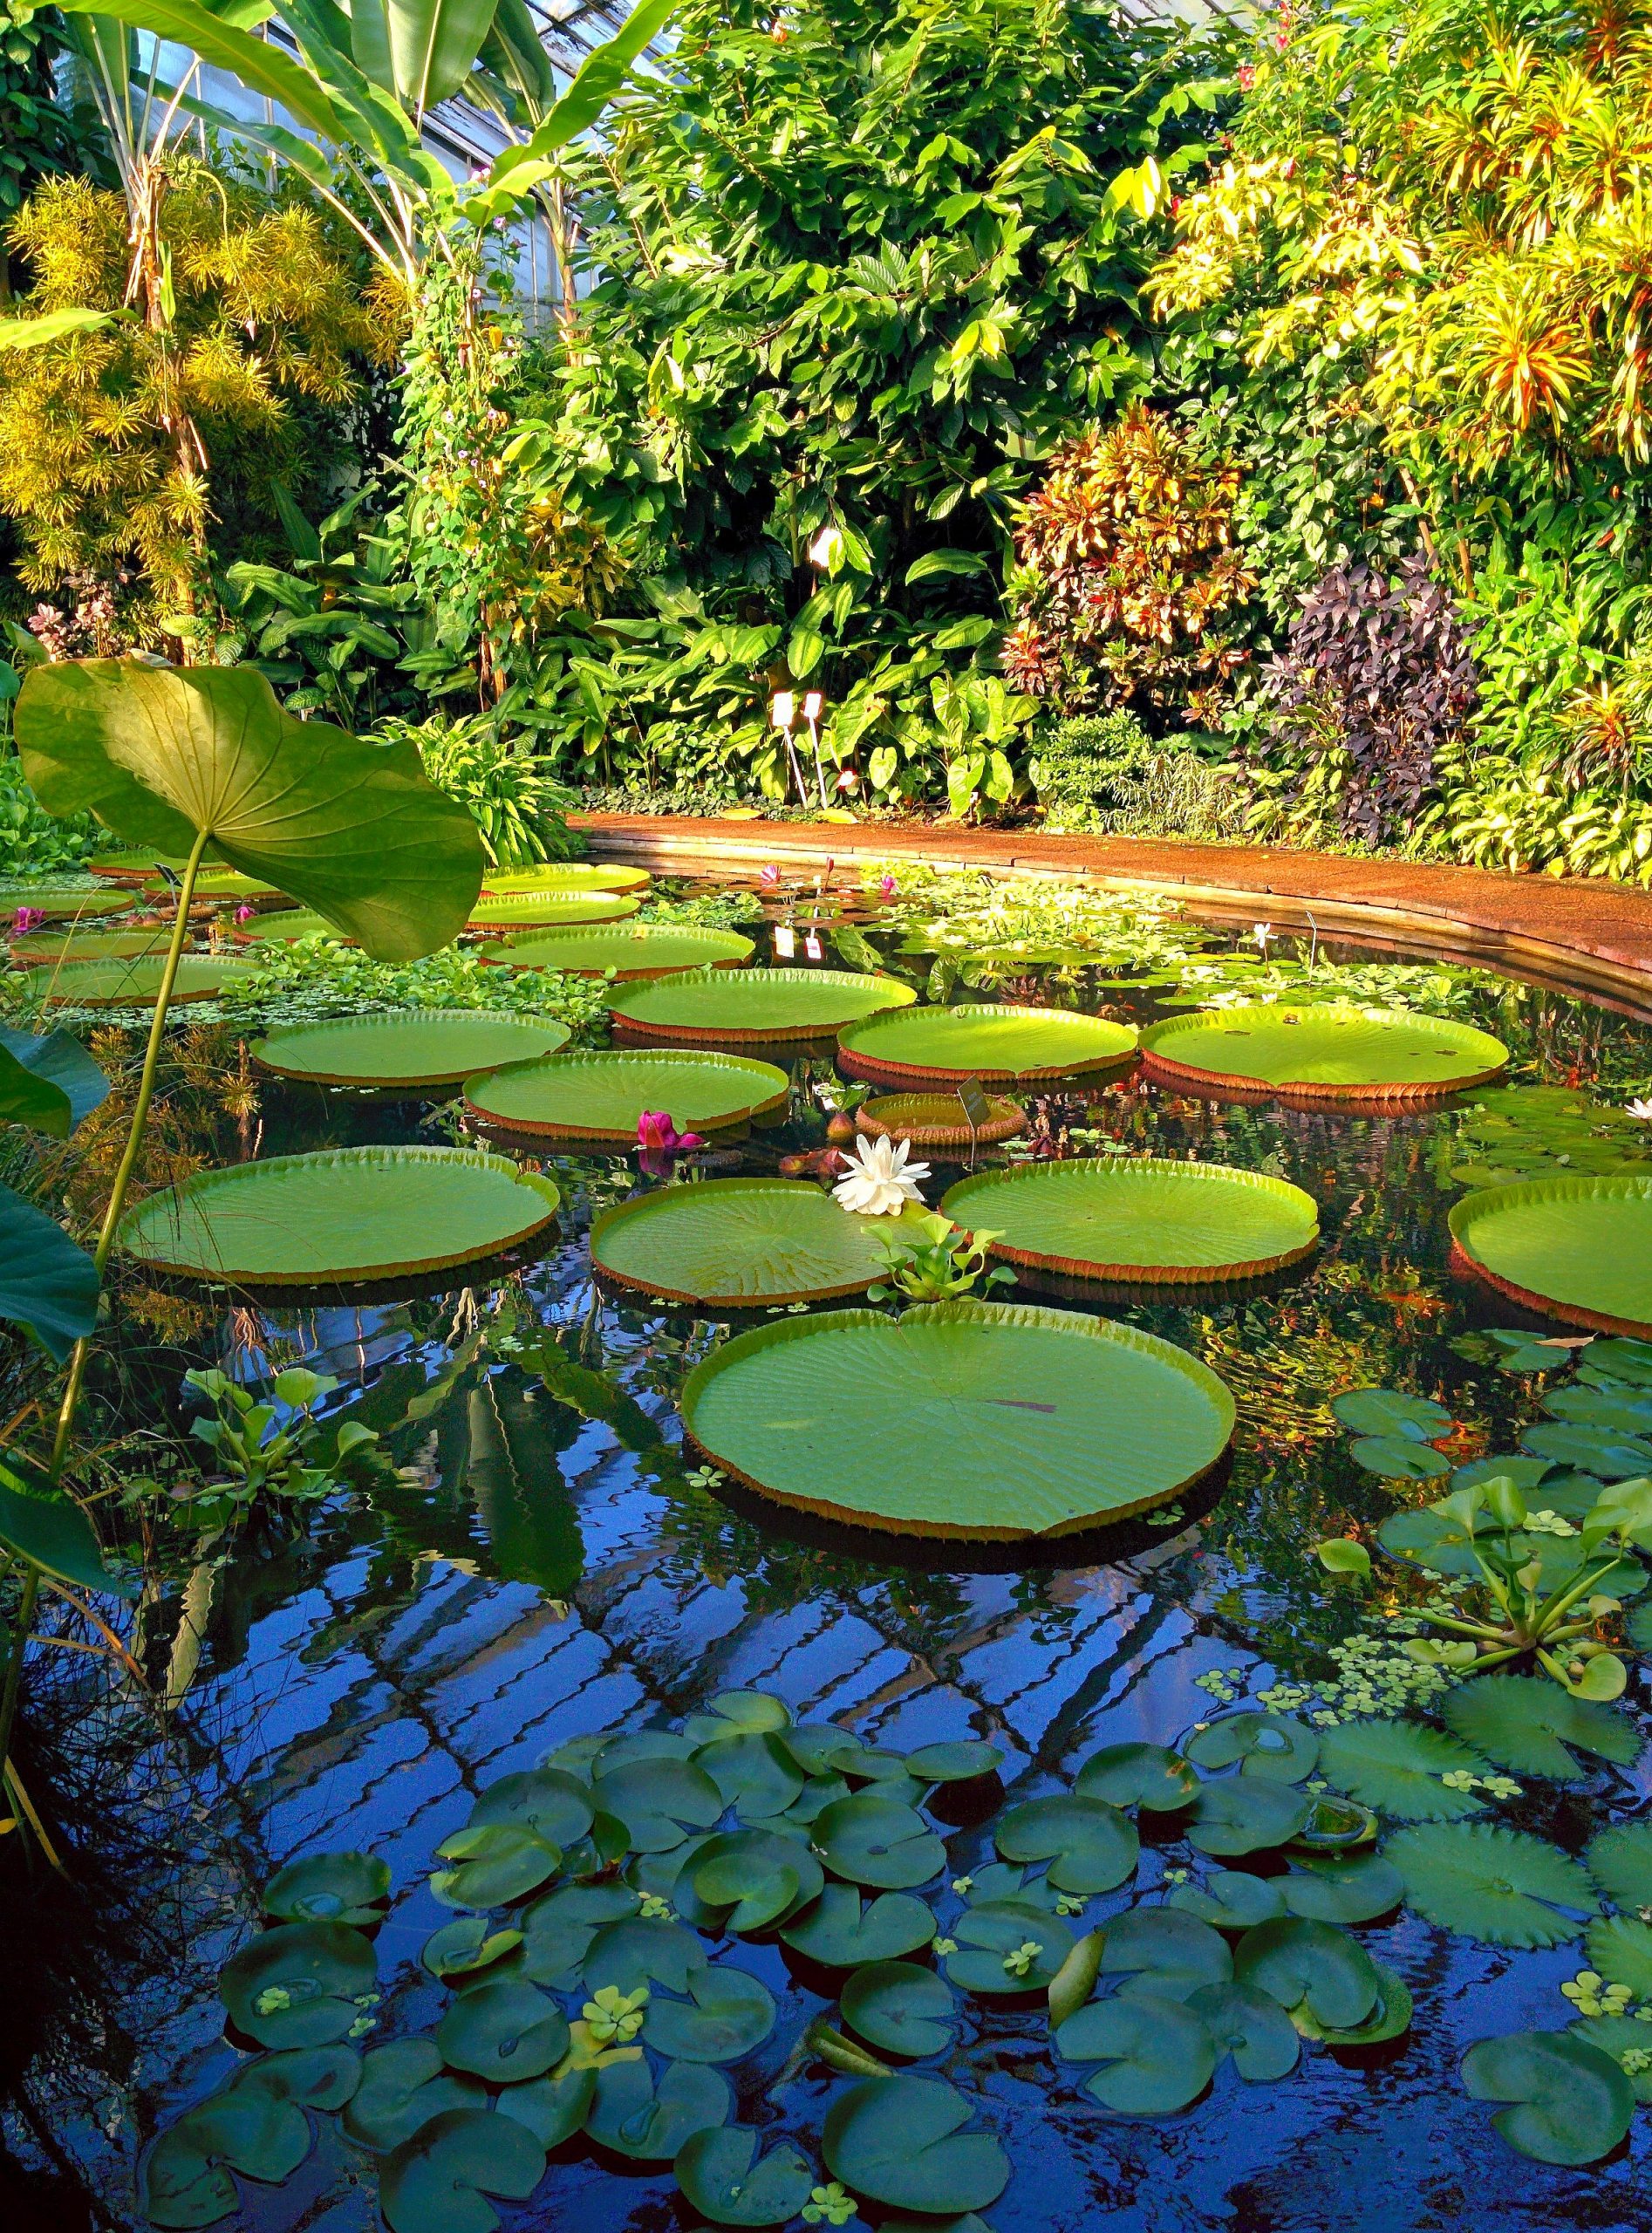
[(32, 841), (1103, 772), (517, 805)]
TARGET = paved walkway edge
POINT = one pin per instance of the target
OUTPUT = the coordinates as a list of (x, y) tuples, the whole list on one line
[(1581, 934)]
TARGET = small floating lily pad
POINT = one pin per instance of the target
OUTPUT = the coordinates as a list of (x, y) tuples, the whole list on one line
[(1252, 2027), (434, 2183), (1397, 1767), (636, 2117), (1104, 1218), (407, 1047), (545, 910), (342, 1214), (1157, 2054), (839, 1935), (1573, 2103), (1313, 1965), (732, 1244), (1245, 1814), (349, 1887), (725, 2015), (998, 1045), (1090, 1847), (715, 2169), (1007, 1947), (625, 951), (1163, 1951), (299, 1985), (1577, 1249), (985, 1419), (404, 2084), (136, 983), (503, 2032), (1264, 1744), (1320, 1055), (876, 1841), (1493, 1883), (901, 2008), (1139, 1775), (723, 1008), (899, 2140), (603, 1097)]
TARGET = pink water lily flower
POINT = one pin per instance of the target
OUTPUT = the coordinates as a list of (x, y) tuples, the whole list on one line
[(768, 876), (28, 918), (245, 914), (660, 1141), (886, 887)]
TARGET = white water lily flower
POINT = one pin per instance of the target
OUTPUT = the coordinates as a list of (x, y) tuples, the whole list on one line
[(880, 1181), (1642, 1109)]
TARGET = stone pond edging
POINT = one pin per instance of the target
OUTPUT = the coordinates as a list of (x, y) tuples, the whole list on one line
[(1583, 935)]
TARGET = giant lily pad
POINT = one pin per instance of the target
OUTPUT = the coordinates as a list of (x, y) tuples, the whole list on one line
[(985, 1419), (635, 2117), (47, 1282), (603, 1097), (503, 2032), (407, 1047), (1090, 1847), (47, 1080), (839, 1935), (136, 983), (286, 926), (1157, 2055), (918, 1046), (1571, 2103), (901, 2008), (625, 951), (162, 755), (568, 877), (1107, 1218), (404, 2084), (876, 1841), (64, 902), (716, 2170), (723, 1008), (1311, 1965), (40, 947), (435, 2181), (1006, 1947), (1529, 1725), (340, 1214), (897, 2141), (1578, 1249), (938, 1120), (299, 1985), (1491, 1883), (1322, 1055), (1397, 1765), (725, 2015), (545, 911), (737, 1243)]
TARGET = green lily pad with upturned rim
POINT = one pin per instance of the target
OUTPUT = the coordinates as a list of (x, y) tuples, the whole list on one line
[(404, 2085), (725, 1007), (435, 2181), (1142, 1219), (299, 1985), (1396, 1766), (989, 1420), (503, 2032), (1159, 2054), (287, 927), (526, 911), (568, 877), (1005, 1947), (1571, 2103), (1322, 1055), (839, 1934), (897, 2141), (1139, 1775), (136, 863), (604, 1095), (351, 1888), (43, 949), (1250, 2026), (1495, 1884), (998, 1045), (1243, 1814), (625, 951), (938, 1120), (1577, 1249), (650, 2119), (1264, 1744), (407, 1047), (1313, 1965), (1091, 1846), (133, 984), (60, 902), (900, 2008), (719, 2171), (1530, 1726), (733, 1244), (342, 1214)]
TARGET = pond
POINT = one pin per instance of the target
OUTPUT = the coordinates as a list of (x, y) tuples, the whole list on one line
[(540, 1566)]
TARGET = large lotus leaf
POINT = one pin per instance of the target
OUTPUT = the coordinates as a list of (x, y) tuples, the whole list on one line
[(300, 1985), (1610, 1410), (643, 1952), (1007, 1946), (503, 2032), (554, 2107), (901, 2008), (1164, 1951), (1491, 1883), (495, 1863), (728, 2014), (1158, 2055), (1138, 1775), (329, 1888), (1618, 2036), (997, 1043), (407, 1047), (1591, 1450), (1620, 1861), (403, 2085), (1090, 1847), (633, 2116), (627, 949), (658, 1801), (434, 2183), (1579, 1244), (1230, 1900), (46, 1282), (1356, 1889), (899, 2140), (1327, 1048), (553, 1804), (351, 827), (962, 1761), (1389, 1411), (47, 1080), (1245, 1814), (733, 1713), (715, 2169), (1103, 1217), (1619, 1949), (725, 1006), (754, 1772), (1252, 2027), (42, 1525), (339, 1214), (987, 1419), (746, 1880), (838, 1935), (1312, 1965), (1527, 1725), (1573, 2103), (1396, 1766), (1268, 1744), (734, 1243), (876, 1841)]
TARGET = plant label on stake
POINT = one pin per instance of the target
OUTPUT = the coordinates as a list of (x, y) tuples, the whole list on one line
[(785, 942), (812, 945)]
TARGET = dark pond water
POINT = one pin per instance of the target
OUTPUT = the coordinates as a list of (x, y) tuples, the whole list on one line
[(530, 1576)]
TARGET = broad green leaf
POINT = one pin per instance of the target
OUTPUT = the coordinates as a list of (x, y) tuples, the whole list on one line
[(1158, 2055), (47, 1081), (302, 1985), (1396, 1766), (1301, 1962), (899, 2140), (46, 1282), (436, 2181), (1573, 2103), (1090, 1847), (1164, 1951), (403, 2086), (900, 2008), (716, 2170), (1494, 1884), (50, 325), (1529, 1726), (39, 1523), (503, 2032), (260, 68)]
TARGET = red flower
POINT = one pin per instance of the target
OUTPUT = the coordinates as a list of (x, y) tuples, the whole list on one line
[(660, 1143)]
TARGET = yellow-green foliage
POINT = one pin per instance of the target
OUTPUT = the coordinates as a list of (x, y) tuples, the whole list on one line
[(111, 441)]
